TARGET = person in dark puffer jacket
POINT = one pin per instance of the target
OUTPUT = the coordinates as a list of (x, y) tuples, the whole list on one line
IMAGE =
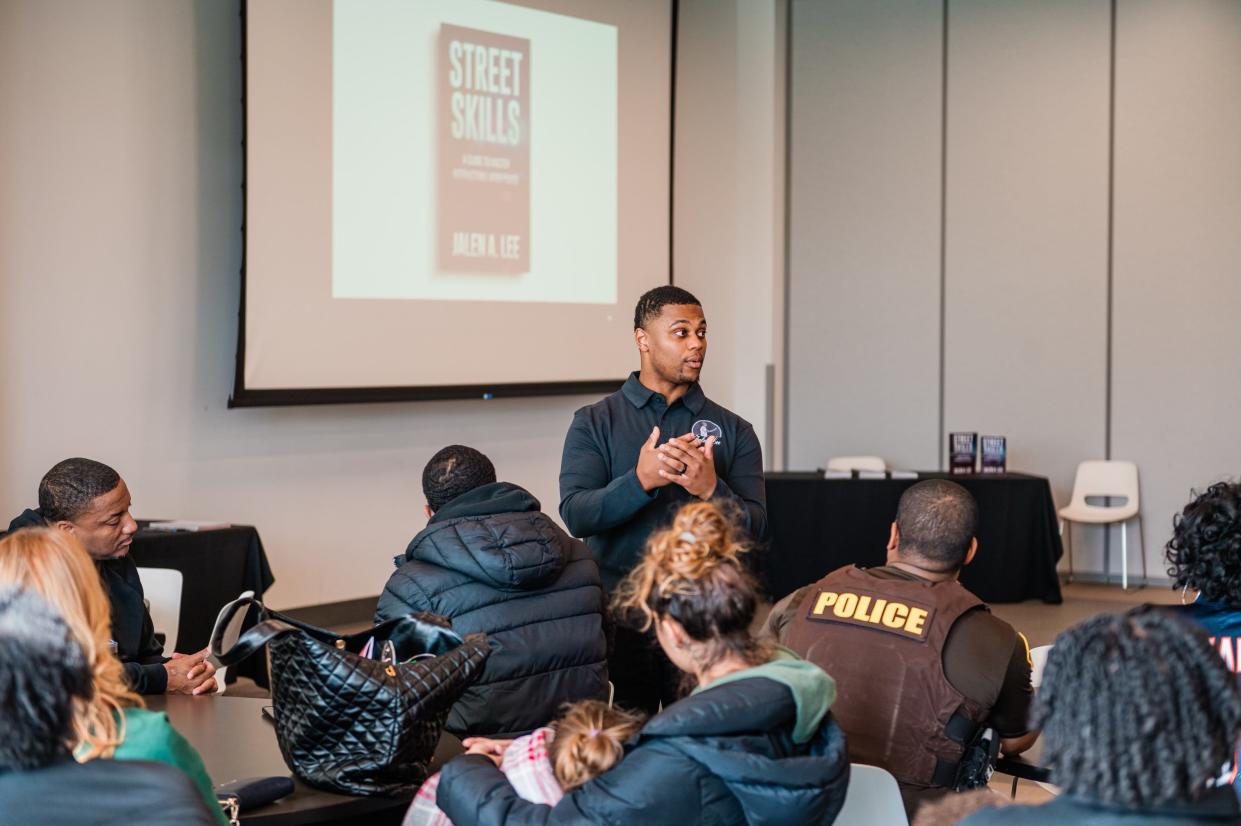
[(754, 743), (490, 561)]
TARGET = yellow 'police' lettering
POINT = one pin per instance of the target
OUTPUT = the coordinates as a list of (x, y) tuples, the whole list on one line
[(825, 600), (894, 615), (845, 605), (874, 610)]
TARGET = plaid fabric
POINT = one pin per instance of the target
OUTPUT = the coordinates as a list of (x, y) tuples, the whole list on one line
[(527, 767)]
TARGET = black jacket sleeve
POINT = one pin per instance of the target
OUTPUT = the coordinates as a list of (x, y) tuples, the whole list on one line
[(146, 678), (150, 649), (145, 672), (745, 483), (1011, 713), (652, 782), (591, 501)]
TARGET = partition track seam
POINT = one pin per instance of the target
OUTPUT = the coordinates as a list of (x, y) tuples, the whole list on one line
[(1111, 234), (672, 139), (941, 436), (788, 225)]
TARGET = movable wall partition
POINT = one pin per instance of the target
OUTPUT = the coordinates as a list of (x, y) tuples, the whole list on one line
[(1022, 219)]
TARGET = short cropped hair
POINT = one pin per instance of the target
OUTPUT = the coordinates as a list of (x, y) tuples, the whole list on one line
[(455, 470), (42, 673), (937, 520), (66, 491), (1205, 550), (652, 301)]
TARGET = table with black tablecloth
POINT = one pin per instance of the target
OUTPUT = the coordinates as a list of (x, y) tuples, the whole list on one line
[(216, 566), (818, 525)]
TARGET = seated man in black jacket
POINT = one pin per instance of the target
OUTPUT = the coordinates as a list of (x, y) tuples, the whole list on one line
[(489, 560), (91, 501), (42, 673)]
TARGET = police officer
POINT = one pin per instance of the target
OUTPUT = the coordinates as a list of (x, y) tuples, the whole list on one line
[(921, 666), (633, 458)]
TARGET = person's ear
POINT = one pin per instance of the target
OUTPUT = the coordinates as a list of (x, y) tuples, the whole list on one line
[(969, 555), (894, 541), (674, 632), (64, 525), (427, 510), (639, 337)]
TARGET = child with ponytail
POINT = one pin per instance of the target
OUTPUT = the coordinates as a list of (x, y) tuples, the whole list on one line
[(752, 742), (542, 766)]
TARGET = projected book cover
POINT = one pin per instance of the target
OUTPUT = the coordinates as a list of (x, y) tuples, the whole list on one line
[(484, 152)]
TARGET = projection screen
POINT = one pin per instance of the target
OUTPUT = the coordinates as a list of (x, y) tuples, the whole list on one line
[(450, 198)]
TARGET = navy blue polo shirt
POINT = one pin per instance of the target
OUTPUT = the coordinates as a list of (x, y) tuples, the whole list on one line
[(601, 500)]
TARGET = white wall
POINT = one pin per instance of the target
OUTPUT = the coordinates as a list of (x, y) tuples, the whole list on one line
[(729, 195), (1031, 159), (864, 207), (1177, 375), (120, 209), (1025, 324)]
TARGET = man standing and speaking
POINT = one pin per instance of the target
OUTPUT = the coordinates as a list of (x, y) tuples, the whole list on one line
[(633, 458)]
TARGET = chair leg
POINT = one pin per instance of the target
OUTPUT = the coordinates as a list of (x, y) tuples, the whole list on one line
[(1015, 779), (1124, 556), (1066, 530), (1142, 540), (1107, 555)]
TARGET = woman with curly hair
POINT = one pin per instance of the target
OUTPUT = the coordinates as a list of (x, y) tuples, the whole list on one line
[(753, 742), (1204, 561), (1138, 713)]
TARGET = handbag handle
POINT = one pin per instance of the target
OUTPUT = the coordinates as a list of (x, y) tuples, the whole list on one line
[(225, 618), (428, 632), (250, 641)]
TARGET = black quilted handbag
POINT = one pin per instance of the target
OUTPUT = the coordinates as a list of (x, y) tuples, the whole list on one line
[(348, 723)]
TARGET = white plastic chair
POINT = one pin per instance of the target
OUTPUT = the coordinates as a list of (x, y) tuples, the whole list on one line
[(1038, 661), (852, 463), (161, 588), (229, 638), (1105, 479), (872, 799)]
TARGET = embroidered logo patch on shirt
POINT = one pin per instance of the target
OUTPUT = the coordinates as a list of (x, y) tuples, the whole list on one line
[(704, 429)]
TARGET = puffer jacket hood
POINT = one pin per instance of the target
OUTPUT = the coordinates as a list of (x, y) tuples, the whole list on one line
[(494, 534), (813, 691), (491, 562), (764, 782)]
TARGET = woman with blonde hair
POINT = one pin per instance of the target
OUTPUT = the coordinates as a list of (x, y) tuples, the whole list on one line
[(752, 743), (111, 723)]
